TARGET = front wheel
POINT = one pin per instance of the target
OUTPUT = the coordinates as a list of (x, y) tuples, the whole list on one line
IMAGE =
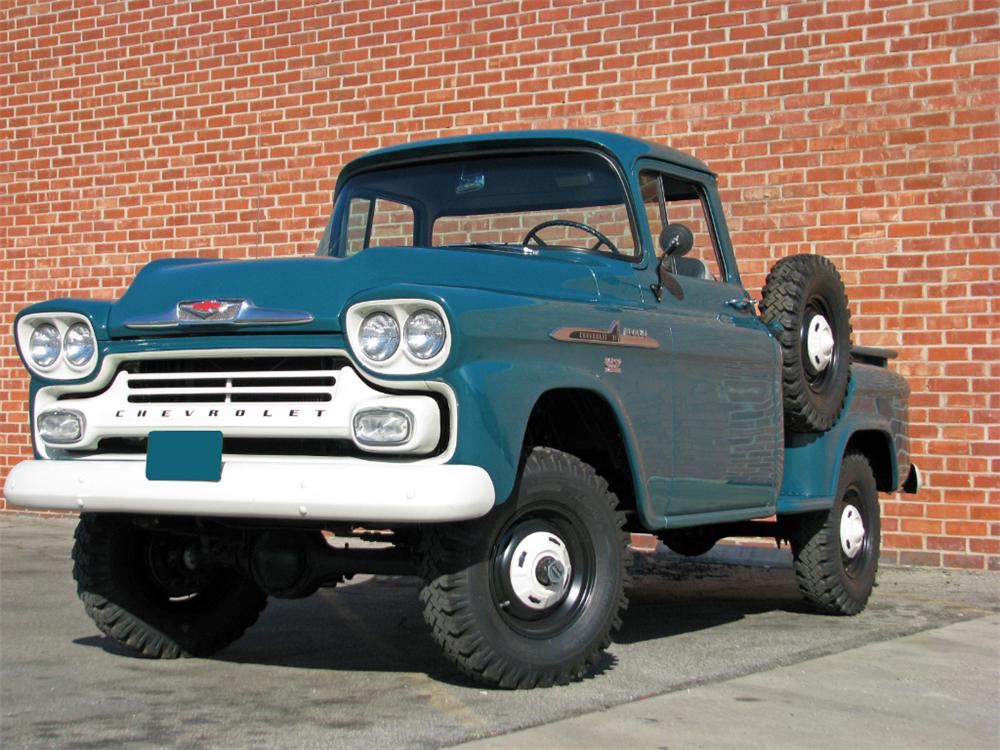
[(155, 594), (836, 552), (528, 595)]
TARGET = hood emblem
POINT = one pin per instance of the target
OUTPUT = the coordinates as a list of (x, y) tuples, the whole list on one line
[(219, 312), (210, 309)]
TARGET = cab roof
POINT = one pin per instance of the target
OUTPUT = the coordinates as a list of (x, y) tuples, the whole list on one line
[(625, 149)]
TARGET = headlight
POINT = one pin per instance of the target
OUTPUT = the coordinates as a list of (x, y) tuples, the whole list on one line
[(399, 336), (44, 345), (57, 345), (379, 336), (425, 334), (79, 344)]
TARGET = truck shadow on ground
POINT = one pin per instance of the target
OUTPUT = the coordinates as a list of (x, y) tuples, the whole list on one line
[(376, 625)]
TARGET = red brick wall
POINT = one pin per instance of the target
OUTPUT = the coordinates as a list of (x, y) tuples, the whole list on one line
[(866, 130)]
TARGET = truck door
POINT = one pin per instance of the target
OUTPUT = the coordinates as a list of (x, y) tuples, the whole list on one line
[(725, 420)]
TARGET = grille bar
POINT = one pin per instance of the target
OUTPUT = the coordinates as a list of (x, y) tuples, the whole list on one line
[(225, 375), (224, 389), (243, 365)]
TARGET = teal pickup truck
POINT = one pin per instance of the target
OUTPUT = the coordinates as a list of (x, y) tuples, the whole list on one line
[(508, 352)]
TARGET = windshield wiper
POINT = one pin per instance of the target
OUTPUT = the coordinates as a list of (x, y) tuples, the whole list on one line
[(483, 245)]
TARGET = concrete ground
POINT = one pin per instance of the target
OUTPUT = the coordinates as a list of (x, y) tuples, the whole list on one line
[(711, 654)]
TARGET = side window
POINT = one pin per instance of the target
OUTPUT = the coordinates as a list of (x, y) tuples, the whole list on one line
[(649, 183), (384, 223), (392, 224), (357, 223), (669, 200)]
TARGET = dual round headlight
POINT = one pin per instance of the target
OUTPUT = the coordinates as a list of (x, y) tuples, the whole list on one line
[(45, 345), (77, 345), (424, 335)]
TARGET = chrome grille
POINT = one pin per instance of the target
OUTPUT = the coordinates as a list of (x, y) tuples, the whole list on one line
[(233, 380)]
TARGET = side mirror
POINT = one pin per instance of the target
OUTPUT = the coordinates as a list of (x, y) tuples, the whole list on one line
[(676, 240)]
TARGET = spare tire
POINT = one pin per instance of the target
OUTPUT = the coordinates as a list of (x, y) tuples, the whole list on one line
[(805, 304)]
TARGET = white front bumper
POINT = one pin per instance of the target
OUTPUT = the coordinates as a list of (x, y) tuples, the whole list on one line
[(357, 492)]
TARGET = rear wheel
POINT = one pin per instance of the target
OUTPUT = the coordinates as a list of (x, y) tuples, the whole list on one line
[(155, 594), (528, 595), (836, 552)]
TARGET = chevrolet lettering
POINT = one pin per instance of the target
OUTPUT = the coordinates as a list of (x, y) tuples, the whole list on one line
[(507, 353), (263, 413)]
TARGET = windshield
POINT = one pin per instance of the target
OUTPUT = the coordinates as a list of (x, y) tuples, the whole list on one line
[(571, 200)]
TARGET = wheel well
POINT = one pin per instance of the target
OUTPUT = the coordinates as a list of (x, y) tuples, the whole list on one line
[(582, 423), (876, 446)]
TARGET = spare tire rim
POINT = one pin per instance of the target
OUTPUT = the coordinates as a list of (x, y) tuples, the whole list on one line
[(543, 572), (818, 344)]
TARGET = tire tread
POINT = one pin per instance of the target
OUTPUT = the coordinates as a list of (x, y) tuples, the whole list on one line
[(444, 568), (779, 309), (100, 591), (816, 553)]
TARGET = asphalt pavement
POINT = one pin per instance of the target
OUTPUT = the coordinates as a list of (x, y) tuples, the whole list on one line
[(711, 653)]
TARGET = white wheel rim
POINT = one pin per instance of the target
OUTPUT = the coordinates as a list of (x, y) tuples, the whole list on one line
[(819, 343), (852, 532), (540, 570)]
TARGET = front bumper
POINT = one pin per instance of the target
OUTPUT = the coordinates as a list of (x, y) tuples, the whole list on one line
[(360, 492)]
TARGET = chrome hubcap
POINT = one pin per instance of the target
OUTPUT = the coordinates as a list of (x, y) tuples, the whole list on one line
[(852, 532), (540, 570), (819, 343)]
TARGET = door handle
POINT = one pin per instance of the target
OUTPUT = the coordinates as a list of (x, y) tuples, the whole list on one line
[(741, 303)]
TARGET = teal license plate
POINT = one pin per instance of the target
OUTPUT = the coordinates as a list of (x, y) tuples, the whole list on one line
[(184, 456)]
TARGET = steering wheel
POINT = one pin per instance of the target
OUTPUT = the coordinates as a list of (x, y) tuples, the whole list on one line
[(602, 239)]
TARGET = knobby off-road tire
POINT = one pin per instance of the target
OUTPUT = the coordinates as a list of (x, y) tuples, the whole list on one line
[(135, 586), (804, 302), (836, 553), (494, 621)]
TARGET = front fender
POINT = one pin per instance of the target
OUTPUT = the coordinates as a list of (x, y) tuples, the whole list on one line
[(504, 358), (496, 400)]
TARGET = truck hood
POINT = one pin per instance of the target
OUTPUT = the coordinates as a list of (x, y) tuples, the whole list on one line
[(319, 287)]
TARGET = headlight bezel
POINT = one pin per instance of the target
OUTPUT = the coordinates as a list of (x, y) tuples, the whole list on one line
[(403, 361), (61, 368)]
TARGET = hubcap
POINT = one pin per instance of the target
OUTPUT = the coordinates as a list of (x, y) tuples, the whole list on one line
[(540, 570), (819, 343), (852, 532)]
